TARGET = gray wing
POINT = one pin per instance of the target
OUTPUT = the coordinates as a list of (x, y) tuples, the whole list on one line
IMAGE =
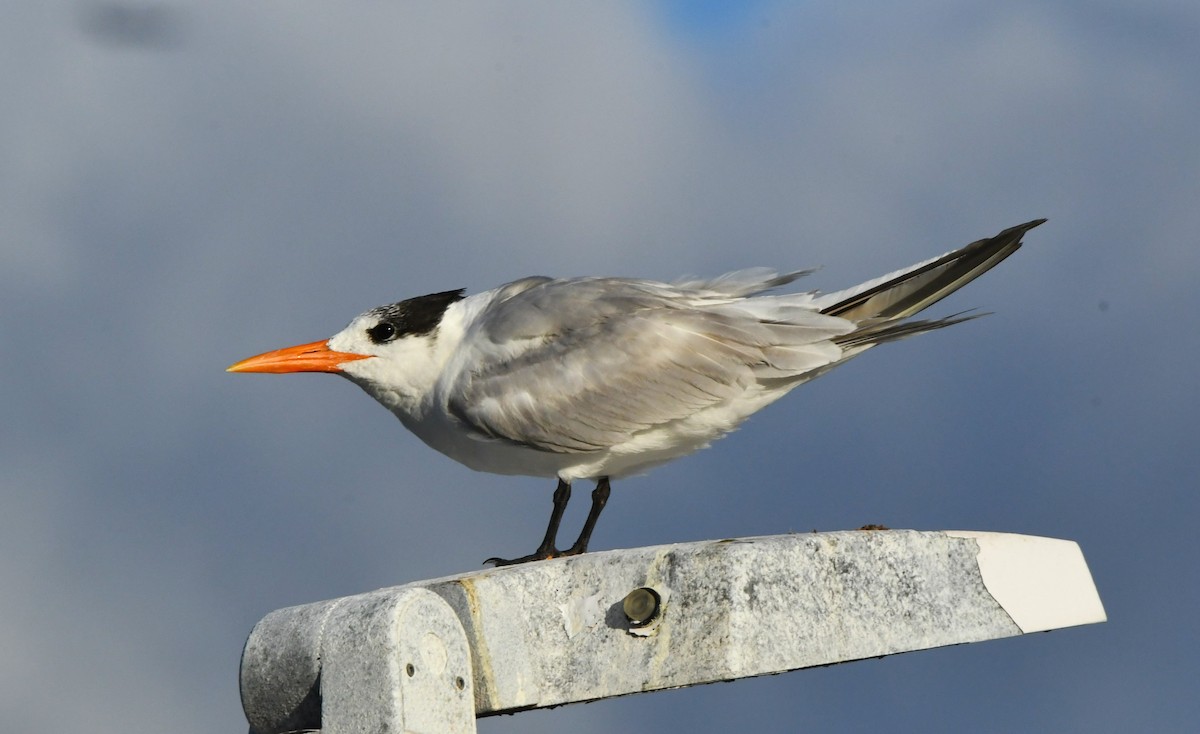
[(583, 365)]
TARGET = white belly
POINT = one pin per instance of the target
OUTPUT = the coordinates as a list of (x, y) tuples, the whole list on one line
[(643, 451)]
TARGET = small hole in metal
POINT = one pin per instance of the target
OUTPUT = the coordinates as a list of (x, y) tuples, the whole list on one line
[(459, 683), (410, 670)]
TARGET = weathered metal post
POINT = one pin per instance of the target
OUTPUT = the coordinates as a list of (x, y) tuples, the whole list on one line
[(432, 656)]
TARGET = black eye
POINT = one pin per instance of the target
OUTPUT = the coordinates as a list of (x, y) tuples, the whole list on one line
[(382, 332)]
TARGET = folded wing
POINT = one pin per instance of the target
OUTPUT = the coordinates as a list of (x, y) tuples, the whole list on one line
[(586, 365)]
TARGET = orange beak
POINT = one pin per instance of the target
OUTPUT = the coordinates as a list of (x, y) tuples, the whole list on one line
[(315, 357)]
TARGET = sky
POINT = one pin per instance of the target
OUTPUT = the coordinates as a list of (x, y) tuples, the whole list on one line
[(185, 184)]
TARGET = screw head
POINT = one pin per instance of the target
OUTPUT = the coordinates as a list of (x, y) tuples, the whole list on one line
[(641, 606)]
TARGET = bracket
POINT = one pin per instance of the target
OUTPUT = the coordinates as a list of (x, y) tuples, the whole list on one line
[(643, 619)]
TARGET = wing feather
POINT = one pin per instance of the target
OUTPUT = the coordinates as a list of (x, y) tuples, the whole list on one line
[(611, 358)]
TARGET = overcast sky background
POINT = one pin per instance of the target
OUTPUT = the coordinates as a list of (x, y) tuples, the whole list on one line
[(186, 184)]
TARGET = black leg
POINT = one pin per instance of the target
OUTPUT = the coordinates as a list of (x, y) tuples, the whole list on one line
[(599, 500), (562, 495)]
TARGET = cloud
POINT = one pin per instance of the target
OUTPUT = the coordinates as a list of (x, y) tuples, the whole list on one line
[(277, 168)]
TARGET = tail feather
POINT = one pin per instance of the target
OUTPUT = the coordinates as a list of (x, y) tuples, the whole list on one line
[(878, 306)]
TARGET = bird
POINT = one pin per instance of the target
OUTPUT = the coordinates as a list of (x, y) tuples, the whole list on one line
[(598, 378)]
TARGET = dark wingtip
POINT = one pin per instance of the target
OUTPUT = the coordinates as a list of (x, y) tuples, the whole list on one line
[(1013, 234), (1023, 228), (960, 267)]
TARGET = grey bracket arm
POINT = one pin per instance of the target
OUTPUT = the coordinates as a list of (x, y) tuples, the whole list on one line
[(432, 656)]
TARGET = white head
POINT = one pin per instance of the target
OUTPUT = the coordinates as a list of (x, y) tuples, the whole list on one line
[(390, 351)]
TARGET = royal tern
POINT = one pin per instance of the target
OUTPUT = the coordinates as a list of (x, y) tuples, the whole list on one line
[(597, 378)]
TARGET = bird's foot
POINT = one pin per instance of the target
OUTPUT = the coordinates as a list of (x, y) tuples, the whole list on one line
[(541, 554), (538, 555)]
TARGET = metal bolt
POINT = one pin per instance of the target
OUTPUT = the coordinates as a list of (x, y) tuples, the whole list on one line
[(641, 606)]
